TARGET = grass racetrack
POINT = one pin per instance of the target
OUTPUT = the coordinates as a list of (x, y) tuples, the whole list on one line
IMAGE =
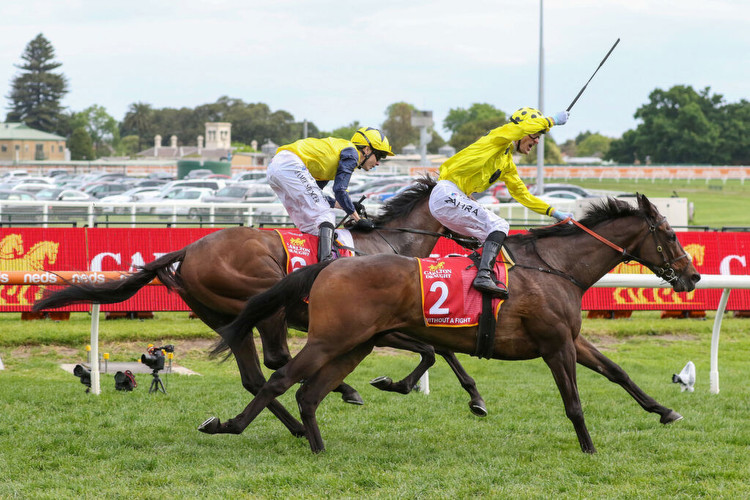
[(56, 441)]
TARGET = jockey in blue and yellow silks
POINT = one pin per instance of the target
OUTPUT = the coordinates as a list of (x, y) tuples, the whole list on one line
[(473, 170), (300, 170)]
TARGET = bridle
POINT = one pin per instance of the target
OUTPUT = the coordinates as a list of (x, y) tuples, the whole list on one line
[(664, 271)]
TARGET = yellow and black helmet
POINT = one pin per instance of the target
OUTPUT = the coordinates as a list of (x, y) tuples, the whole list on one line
[(368, 136), (530, 114)]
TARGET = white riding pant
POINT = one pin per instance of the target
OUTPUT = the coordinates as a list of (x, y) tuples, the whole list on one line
[(298, 192), (459, 213)]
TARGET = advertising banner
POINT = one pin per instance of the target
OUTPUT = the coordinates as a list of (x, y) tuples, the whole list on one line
[(124, 249)]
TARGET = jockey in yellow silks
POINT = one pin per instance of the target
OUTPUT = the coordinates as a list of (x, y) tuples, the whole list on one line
[(299, 171), (473, 170)]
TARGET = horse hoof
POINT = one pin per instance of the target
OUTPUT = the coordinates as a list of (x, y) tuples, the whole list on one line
[(383, 383), (353, 398), (210, 426), (478, 409), (670, 417)]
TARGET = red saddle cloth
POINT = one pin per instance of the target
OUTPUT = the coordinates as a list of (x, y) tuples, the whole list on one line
[(448, 299), (302, 248)]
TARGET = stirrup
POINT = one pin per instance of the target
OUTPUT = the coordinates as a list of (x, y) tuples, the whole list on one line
[(485, 284)]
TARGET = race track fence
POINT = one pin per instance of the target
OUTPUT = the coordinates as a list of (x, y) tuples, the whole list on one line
[(724, 282)]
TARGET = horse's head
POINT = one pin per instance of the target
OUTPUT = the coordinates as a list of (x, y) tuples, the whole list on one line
[(11, 246), (662, 252)]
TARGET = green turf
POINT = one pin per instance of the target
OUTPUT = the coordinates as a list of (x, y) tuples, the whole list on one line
[(58, 442)]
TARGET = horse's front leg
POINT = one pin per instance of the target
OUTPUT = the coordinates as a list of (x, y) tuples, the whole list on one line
[(403, 342), (590, 357), (562, 363), (476, 404)]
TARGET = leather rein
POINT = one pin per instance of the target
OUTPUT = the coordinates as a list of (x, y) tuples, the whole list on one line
[(666, 271)]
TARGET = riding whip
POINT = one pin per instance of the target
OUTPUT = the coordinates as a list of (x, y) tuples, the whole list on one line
[(592, 76)]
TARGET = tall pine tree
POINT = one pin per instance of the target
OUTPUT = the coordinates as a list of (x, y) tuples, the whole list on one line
[(36, 92)]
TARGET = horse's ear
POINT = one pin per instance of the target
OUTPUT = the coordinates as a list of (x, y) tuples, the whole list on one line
[(645, 205)]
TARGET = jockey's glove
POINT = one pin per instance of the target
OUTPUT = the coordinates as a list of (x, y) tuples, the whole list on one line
[(561, 216), (364, 225), (561, 117)]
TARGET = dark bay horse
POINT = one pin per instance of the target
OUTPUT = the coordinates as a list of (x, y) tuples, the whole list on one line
[(218, 273), (542, 317)]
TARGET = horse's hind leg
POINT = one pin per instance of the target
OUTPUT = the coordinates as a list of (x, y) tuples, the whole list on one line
[(563, 366), (590, 357), (273, 335), (309, 360), (320, 384)]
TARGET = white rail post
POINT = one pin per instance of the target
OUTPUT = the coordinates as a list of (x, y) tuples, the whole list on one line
[(95, 385), (714, 373)]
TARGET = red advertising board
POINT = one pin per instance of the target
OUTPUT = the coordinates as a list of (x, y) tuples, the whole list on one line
[(102, 249)]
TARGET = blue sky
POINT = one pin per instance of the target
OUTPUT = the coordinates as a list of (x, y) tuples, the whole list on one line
[(333, 62)]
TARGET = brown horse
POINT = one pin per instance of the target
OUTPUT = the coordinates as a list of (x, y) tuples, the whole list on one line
[(218, 273), (542, 317)]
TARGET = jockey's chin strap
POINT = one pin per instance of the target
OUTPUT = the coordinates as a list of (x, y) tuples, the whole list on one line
[(665, 272)]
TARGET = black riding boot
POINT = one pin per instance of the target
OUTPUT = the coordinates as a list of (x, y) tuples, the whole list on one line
[(325, 241), (484, 282)]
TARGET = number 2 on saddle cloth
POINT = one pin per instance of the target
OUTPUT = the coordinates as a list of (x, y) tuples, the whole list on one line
[(302, 248), (448, 298)]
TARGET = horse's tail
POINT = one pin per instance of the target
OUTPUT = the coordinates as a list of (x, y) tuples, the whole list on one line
[(288, 292), (114, 291)]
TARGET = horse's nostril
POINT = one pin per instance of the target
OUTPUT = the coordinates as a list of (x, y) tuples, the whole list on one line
[(695, 278)]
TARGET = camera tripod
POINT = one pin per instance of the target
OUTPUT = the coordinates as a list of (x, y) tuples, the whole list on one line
[(156, 383)]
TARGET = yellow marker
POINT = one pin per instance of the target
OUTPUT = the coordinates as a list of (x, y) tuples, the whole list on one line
[(170, 355), (106, 355), (88, 348)]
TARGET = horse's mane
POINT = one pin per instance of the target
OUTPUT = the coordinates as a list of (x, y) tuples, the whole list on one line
[(597, 213), (403, 203)]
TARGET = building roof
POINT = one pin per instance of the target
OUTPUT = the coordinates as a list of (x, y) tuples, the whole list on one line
[(21, 132)]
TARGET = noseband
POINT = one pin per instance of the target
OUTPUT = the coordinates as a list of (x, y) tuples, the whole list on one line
[(664, 271)]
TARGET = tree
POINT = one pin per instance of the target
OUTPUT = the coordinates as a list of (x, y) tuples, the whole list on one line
[(398, 126), (345, 132), (733, 146), (102, 128), (468, 125), (679, 125), (80, 145), (593, 145), (458, 117), (36, 93), (139, 121), (128, 146)]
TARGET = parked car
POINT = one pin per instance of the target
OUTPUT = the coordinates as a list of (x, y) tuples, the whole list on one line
[(501, 192), (253, 175), (214, 184), (135, 194), (100, 190), (182, 205), (62, 194), (32, 187)]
